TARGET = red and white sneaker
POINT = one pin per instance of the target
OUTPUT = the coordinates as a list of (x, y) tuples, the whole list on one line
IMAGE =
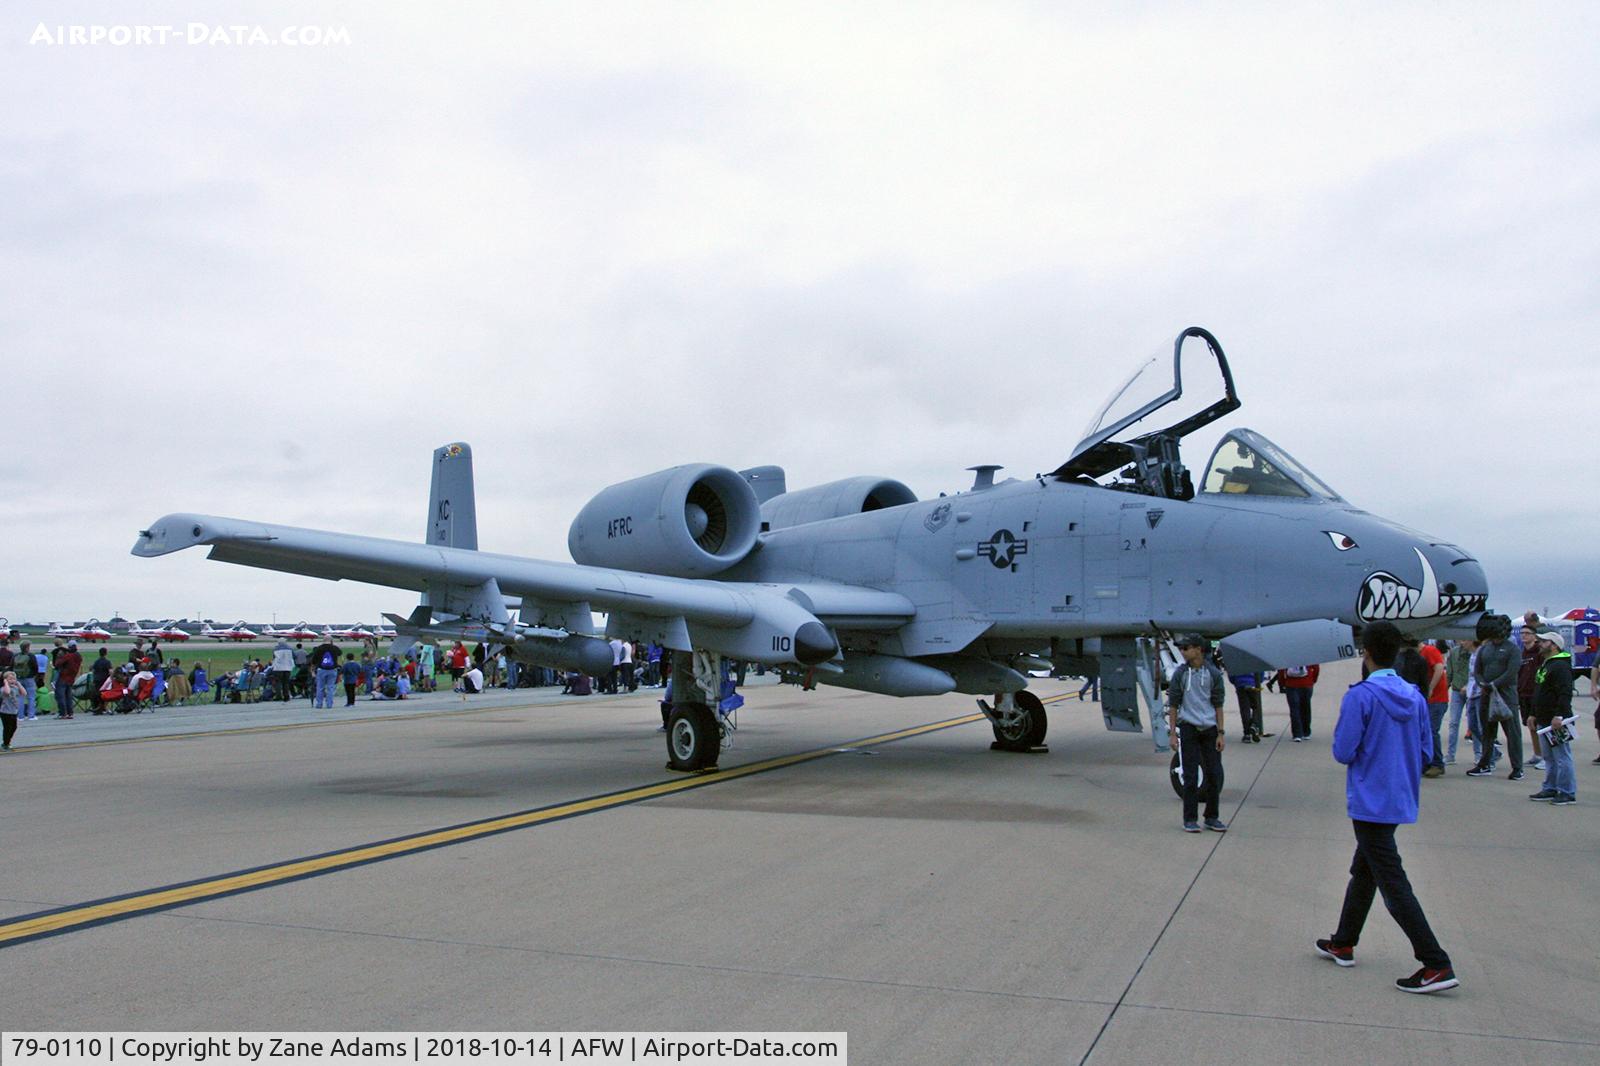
[(1428, 980), (1343, 956)]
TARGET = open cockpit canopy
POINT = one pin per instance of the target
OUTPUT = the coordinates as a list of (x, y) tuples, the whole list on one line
[(1149, 461)]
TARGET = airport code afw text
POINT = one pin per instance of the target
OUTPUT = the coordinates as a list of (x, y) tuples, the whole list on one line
[(175, 1049)]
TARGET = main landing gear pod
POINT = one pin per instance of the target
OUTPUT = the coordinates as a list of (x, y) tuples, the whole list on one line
[(1019, 721)]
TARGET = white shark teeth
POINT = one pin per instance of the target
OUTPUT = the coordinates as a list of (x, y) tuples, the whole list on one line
[(1385, 597)]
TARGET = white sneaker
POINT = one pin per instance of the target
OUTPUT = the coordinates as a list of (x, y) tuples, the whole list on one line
[(1536, 763)]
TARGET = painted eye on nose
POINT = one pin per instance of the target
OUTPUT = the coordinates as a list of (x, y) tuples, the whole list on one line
[(1340, 541)]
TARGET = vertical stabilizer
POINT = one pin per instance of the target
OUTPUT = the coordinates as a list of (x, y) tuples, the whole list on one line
[(452, 509)]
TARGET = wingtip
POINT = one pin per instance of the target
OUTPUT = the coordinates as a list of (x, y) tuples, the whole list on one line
[(168, 534)]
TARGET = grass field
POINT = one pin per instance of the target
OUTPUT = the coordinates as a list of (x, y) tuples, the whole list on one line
[(218, 658)]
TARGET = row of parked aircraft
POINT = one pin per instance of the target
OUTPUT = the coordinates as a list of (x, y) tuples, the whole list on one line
[(299, 631), (93, 631)]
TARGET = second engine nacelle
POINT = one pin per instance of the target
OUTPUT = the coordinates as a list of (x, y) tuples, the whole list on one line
[(689, 521), (836, 499)]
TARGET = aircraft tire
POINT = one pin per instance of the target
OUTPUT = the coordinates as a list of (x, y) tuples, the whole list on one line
[(694, 740), (1176, 777), (1028, 733)]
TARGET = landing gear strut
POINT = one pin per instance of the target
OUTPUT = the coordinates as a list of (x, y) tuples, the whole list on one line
[(700, 718), (1018, 719)]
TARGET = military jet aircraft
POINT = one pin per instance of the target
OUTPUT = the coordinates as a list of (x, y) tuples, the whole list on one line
[(165, 631), (238, 631), (859, 584), (298, 631), (347, 633), (90, 631)]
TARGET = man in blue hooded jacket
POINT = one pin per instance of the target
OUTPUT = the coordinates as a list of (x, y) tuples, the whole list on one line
[(1384, 737)]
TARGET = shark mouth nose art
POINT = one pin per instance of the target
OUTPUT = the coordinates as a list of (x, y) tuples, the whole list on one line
[(1385, 597)]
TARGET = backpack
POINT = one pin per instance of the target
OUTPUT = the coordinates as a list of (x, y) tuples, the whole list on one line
[(1494, 627), (1412, 667)]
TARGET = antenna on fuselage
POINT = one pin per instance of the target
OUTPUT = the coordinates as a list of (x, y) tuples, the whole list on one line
[(983, 476)]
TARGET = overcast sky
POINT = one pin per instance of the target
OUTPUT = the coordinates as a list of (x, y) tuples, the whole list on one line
[(596, 240)]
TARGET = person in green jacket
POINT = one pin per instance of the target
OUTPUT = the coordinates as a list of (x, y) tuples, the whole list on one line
[(1552, 706)]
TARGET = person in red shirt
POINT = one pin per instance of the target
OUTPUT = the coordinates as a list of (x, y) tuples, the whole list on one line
[(1297, 683), (1525, 685), (68, 663), (1438, 689)]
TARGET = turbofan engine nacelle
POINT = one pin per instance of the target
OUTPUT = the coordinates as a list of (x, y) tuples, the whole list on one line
[(836, 499), (689, 521)]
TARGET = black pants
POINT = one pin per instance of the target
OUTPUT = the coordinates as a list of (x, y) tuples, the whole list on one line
[(1490, 728), (8, 724), (281, 683), (1376, 867), (1299, 711), (349, 693), (1249, 710), (1199, 750)]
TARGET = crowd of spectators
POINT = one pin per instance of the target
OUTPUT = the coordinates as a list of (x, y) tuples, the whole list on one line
[(147, 679)]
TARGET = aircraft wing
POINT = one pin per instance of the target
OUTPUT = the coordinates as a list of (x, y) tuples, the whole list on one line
[(757, 622)]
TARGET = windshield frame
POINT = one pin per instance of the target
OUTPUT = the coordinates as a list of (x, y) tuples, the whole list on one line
[(1283, 464)]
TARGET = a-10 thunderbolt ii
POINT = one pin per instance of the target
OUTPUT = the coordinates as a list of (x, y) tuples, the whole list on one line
[(859, 584)]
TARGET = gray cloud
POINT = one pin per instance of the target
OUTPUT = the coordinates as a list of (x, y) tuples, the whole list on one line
[(268, 284)]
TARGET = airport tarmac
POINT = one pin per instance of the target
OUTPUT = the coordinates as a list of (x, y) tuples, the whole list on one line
[(522, 861)]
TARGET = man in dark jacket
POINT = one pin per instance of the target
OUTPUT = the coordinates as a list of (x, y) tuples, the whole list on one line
[(1248, 688), (1552, 706), (325, 661), (1384, 736), (1498, 662), (100, 669)]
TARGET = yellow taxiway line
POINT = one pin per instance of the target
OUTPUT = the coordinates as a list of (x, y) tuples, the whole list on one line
[(78, 916)]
